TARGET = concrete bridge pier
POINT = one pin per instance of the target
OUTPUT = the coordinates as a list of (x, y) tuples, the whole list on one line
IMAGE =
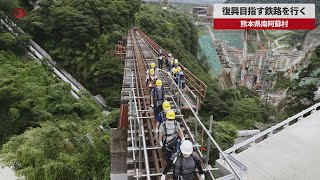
[(118, 151)]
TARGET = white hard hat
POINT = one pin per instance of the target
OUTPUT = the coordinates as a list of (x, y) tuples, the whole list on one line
[(186, 147), (169, 55)]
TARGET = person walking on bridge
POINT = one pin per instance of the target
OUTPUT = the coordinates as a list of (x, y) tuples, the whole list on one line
[(184, 164), (176, 63), (160, 61), (166, 106), (151, 79), (153, 66), (158, 96), (160, 52), (170, 135), (180, 78), (170, 65), (167, 61)]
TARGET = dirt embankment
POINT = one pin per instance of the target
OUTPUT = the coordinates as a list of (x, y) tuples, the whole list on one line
[(312, 39)]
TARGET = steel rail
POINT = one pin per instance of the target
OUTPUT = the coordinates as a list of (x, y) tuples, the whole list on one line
[(137, 102), (135, 116), (183, 120), (143, 64), (155, 46), (184, 124), (208, 133)]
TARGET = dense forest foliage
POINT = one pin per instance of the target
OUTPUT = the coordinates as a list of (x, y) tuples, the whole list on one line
[(301, 91), (44, 132), (81, 34), (52, 134)]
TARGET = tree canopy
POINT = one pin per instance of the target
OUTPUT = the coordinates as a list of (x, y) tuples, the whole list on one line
[(44, 131), (81, 35)]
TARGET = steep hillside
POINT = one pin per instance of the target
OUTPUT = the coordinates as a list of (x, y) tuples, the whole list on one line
[(45, 133), (175, 31), (80, 35), (301, 91), (312, 39)]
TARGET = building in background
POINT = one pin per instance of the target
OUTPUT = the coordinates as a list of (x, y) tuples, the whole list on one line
[(204, 12)]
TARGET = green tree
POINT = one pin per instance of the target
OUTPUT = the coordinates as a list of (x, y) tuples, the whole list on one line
[(245, 112), (45, 133), (224, 134), (80, 35)]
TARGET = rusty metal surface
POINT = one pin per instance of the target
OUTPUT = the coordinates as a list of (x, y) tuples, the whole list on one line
[(193, 82), (123, 117), (139, 54), (140, 68)]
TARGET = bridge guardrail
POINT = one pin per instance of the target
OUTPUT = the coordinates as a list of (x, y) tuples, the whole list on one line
[(193, 82), (271, 130)]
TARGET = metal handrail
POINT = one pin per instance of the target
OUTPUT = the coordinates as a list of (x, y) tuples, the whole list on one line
[(134, 115), (270, 130), (172, 82), (141, 129), (237, 162), (199, 121), (203, 87), (207, 132)]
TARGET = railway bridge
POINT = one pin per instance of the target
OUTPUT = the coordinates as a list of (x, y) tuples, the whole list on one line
[(135, 150)]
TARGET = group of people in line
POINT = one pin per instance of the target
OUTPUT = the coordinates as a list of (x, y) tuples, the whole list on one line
[(177, 150), (172, 67)]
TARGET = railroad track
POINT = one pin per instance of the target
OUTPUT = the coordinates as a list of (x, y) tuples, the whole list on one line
[(151, 166), (145, 158)]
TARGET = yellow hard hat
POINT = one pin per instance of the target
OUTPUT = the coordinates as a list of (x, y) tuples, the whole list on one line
[(159, 82), (153, 65), (178, 69), (151, 71), (176, 61), (171, 114), (173, 70), (166, 105), (171, 61)]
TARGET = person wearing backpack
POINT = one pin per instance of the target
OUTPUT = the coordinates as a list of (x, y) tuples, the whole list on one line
[(153, 66), (166, 106), (168, 60), (160, 52), (151, 79), (180, 78), (158, 96), (170, 135), (176, 63), (170, 65), (175, 74), (184, 164)]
